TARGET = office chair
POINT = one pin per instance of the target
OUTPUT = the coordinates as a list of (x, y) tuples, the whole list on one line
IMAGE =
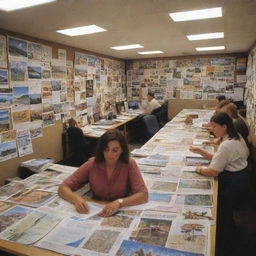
[(78, 148), (151, 126), (161, 114)]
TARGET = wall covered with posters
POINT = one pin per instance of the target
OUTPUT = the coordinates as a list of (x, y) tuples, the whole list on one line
[(195, 78), (39, 89), (250, 94)]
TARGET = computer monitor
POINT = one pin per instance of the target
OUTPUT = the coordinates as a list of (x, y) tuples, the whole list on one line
[(134, 104)]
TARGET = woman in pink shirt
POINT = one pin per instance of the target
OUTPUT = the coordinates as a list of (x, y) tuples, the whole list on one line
[(113, 176)]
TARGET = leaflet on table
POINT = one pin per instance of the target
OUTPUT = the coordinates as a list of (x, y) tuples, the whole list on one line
[(32, 197), (63, 168), (161, 185), (60, 205), (191, 174), (141, 152), (195, 160), (67, 236), (189, 186), (154, 162), (31, 228), (194, 200), (190, 236), (11, 189)]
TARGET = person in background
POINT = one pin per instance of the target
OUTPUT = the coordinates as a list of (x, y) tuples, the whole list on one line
[(218, 99), (239, 123), (112, 175), (229, 163), (152, 103)]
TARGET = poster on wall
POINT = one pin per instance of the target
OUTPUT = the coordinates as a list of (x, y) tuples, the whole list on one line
[(24, 142), (3, 52)]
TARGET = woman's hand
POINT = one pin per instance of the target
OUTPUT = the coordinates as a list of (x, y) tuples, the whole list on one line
[(196, 150), (110, 209), (81, 205)]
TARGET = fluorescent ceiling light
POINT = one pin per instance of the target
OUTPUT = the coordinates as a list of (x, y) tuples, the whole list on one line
[(211, 48), (205, 36), (127, 47), (196, 14), (11, 5), (81, 30), (150, 52)]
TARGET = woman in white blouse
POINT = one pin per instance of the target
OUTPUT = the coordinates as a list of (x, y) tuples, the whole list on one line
[(229, 164)]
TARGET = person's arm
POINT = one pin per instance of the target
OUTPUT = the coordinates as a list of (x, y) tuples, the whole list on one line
[(202, 152), (113, 207), (66, 193), (73, 183), (206, 171)]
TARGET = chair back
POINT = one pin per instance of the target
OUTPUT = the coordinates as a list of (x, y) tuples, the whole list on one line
[(75, 139), (151, 125)]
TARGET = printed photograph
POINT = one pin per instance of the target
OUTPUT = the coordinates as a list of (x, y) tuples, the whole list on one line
[(48, 119), (35, 98), (56, 85), (17, 47), (59, 72), (8, 150), (117, 221), (130, 248), (188, 236), (34, 51), (21, 116), (152, 231), (101, 240), (18, 70), (80, 58), (160, 197), (34, 72), (13, 215), (3, 77), (6, 100), (4, 120), (20, 96)]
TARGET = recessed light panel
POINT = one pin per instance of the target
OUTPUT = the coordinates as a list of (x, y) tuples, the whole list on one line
[(11, 5), (205, 36), (196, 14), (211, 48), (127, 47), (150, 52), (78, 31)]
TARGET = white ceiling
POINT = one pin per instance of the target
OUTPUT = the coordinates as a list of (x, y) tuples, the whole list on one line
[(144, 22)]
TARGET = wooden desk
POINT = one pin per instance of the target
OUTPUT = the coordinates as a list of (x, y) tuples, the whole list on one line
[(114, 126)]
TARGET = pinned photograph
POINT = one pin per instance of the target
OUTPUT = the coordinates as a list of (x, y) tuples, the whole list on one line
[(17, 47)]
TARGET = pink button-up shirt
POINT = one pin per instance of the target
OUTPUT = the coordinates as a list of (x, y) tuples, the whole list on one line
[(126, 178)]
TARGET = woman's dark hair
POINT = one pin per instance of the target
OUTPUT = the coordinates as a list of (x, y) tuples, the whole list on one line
[(221, 98), (222, 118), (108, 136)]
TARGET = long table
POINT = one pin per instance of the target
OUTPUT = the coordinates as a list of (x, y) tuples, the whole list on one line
[(23, 250)]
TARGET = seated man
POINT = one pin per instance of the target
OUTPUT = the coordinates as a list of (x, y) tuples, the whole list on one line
[(152, 103)]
